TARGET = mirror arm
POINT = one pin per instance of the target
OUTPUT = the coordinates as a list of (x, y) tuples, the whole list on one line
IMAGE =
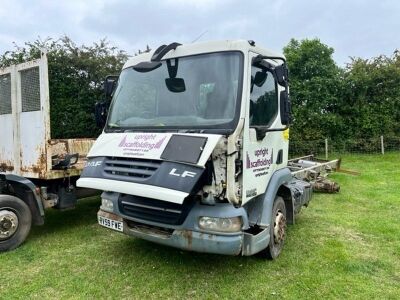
[(261, 131), (259, 59)]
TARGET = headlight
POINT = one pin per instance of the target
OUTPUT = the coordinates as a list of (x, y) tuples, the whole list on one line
[(107, 205), (221, 224)]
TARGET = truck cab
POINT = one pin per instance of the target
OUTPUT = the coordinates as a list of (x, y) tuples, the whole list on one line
[(194, 151)]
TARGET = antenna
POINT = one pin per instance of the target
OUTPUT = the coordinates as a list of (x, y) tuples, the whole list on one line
[(203, 33)]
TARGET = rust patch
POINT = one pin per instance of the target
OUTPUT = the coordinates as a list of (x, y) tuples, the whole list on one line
[(39, 168), (61, 147), (6, 166), (325, 185), (188, 235)]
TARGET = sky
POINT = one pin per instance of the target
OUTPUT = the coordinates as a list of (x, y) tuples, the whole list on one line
[(354, 28)]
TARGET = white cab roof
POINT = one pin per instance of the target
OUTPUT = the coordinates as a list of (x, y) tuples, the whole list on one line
[(205, 47)]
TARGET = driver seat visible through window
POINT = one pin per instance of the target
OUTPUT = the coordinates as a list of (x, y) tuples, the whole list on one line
[(219, 102)]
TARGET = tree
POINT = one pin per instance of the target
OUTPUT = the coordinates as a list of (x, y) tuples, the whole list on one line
[(371, 97), (315, 86)]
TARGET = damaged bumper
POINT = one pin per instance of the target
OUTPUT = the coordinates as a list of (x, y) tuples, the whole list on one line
[(187, 236)]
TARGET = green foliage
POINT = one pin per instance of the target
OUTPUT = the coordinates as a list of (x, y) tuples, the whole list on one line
[(361, 100), (315, 85), (371, 96), (76, 75)]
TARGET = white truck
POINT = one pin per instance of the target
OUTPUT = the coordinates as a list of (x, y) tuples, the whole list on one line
[(194, 152), (36, 171)]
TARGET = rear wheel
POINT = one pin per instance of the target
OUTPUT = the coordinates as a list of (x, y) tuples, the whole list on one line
[(277, 229), (15, 222)]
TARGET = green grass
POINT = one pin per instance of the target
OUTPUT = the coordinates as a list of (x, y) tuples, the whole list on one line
[(344, 245)]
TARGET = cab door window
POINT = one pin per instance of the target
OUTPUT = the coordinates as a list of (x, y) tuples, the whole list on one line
[(263, 98)]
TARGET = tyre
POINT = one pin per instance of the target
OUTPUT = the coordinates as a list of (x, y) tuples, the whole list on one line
[(15, 222), (277, 229)]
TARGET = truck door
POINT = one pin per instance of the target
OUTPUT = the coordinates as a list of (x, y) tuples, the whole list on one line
[(263, 151)]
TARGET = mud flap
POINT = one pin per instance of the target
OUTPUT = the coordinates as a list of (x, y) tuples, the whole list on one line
[(66, 198)]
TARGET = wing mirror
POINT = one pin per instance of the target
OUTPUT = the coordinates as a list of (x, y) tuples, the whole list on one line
[(281, 73), (285, 108), (100, 113), (110, 83), (101, 107)]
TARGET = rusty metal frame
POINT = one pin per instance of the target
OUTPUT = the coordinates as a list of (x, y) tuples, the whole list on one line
[(320, 167)]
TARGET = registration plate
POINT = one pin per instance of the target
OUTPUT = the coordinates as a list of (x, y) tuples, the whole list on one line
[(112, 224)]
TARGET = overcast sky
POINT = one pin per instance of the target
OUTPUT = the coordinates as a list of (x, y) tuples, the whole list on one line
[(353, 28)]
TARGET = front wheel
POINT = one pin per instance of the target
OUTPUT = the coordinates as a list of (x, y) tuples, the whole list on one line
[(15, 222), (277, 229)]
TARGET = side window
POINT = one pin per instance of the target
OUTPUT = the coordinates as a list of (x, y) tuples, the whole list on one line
[(263, 98)]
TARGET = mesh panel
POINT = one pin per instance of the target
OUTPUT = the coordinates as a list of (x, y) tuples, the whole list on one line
[(5, 94), (30, 89)]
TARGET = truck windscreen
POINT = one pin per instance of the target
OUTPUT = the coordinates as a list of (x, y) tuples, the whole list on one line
[(191, 92)]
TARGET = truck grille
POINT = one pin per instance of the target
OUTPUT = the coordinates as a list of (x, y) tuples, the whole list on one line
[(154, 210), (130, 169)]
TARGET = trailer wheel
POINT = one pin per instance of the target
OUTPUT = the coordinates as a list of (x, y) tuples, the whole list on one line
[(277, 229), (15, 222)]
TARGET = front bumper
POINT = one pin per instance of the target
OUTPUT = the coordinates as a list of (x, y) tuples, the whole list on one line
[(185, 239)]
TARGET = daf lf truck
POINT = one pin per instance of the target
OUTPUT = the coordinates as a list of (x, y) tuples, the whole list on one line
[(194, 152)]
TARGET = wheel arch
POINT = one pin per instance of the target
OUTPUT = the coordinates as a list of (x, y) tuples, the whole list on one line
[(259, 209), (25, 190), (286, 194)]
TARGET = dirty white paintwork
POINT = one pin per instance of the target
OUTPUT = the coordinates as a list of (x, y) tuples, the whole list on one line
[(259, 156), (24, 134), (34, 126)]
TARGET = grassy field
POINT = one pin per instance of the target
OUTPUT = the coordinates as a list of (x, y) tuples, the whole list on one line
[(344, 245)]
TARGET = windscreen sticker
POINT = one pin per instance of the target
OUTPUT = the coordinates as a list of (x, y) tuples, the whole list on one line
[(260, 161)]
